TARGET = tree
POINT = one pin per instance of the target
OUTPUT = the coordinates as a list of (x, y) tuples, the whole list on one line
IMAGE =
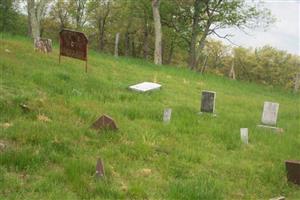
[(61, 13), (36, 10), (78, 12), (195, 20), (158, 33)]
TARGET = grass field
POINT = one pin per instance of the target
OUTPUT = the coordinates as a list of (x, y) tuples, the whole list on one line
[(50, 152)]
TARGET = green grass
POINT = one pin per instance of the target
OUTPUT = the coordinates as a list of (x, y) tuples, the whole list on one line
[(193, 157)]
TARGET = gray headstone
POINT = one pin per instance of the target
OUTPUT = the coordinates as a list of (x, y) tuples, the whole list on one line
[(244, 135), (208, 101), (167, 115), (269, 116)]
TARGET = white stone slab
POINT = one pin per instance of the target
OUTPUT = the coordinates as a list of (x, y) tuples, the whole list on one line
[(167, 115), (269, 116), (244, 135), (145, 87)]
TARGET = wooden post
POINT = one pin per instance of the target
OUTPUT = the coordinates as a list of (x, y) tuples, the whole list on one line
[(297, 82), (117, 45), (232, 72)]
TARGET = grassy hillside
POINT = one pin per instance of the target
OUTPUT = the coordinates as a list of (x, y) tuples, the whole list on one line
[(50, 152)]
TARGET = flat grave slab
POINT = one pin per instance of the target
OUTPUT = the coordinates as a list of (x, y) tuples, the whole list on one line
[(145, 87)]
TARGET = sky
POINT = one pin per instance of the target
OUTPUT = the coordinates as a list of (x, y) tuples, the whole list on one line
[(284, 34)]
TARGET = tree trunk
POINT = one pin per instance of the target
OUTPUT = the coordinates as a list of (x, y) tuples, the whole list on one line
[(36, 11), (192, 49), (171, 51), (232, 71), (158, 33), (297, 83), (117, 45)]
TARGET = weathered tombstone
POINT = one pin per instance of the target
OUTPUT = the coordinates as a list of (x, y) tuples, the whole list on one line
[(43, 45), (104, 122), (269, 116), (208, 101), (167, 115), (244, 135), (73, 44), (293, 171), (145, 87), (100, 169)]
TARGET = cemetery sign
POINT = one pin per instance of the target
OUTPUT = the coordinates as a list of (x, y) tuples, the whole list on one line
[(73, 44)]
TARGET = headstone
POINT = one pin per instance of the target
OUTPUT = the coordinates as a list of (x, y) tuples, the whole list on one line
[(73, 44), (244, 135), (145, 87), (167, 115), (208, 101), (104, 122), (293, 171), (100, 169), (43, 45), (269, 116)]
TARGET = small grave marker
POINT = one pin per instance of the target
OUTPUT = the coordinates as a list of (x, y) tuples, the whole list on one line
[(100, 169), (293, 171), (104, 122), (167, 115), (145, 87), (208, 101), (244, 135)]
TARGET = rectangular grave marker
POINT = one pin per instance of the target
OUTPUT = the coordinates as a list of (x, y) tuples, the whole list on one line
[(293, 171), (270, 111), (73, 44), (208, 101), (145, 87), (167, 115), (244, 135)]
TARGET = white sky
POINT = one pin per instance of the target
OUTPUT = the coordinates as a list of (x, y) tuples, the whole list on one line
[(284, 34)]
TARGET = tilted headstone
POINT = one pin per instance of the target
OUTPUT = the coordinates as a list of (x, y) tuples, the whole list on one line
[(269, 116), (208, 101), (244, 135), (293, 171), (100, 169), (167, 115), (104, 122)]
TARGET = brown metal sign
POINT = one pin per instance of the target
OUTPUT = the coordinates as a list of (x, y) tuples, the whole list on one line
[(73, 44)]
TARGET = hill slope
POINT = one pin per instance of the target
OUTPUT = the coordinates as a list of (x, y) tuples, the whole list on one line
[(50, 152)]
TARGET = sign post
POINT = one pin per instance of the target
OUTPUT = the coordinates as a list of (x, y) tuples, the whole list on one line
[(73, 44)]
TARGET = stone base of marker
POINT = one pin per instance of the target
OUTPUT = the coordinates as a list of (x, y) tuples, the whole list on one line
[(278, 198), (293, 171), (100, 169), (272, 128), (104, 122)]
